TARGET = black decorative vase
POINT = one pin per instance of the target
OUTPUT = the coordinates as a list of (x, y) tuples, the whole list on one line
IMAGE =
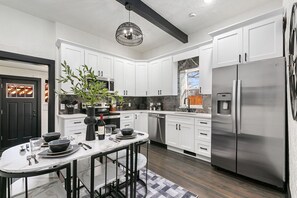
[(91, 121)]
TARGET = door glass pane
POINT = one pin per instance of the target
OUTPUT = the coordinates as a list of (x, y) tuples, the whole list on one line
[(15, 90)]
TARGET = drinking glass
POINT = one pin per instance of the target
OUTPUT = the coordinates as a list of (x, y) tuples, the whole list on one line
[(35, 144)]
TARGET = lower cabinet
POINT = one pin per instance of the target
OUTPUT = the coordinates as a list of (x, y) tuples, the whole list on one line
[(203, 137), (127, 120), (141, 122), (180, 132), (70, 125)]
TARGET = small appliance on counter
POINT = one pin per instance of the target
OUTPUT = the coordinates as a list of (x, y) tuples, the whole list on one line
[(159, 106)]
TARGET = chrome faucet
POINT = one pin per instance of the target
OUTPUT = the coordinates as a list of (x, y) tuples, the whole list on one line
[(189, 107)]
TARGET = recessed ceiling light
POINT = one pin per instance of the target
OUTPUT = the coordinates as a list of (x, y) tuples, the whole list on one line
[(192, 14), (207, 1)]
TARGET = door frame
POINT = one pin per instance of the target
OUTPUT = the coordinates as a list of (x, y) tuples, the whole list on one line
[(51, 79), (38, 105)]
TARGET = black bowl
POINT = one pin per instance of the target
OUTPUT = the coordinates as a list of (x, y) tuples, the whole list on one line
[(127, 131), (58, 145), (51, 136)]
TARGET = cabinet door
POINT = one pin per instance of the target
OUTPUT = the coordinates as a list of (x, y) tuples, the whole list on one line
[(106, 66), (129, 76), (205, 68), (119, 81), (127, 124), (263, 40), (166, 76), (141, 122), (172, 134), (92, 59), (141, 79), (187, 137), (74, 56), (154, 78), (227, 48)]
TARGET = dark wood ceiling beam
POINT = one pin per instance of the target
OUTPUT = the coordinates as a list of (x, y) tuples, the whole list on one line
[(149, 14)]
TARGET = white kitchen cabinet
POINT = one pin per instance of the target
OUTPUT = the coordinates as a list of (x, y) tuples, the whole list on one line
[(162, 77), (127, 121), (203, 137), (263, 40), (257, 41), (102, 64), (141, 82), (227, 48), (106, 66), (92, 59), (124, 77), (129, 77), (180, 132), (141, 122), (74, 56), (70, 125), (205, 68)]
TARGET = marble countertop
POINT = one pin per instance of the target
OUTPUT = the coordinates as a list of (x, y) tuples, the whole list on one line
[(177, 113), (69, 116), (12, 161)]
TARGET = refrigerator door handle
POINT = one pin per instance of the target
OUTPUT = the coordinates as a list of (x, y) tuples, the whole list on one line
[(238, 106), (233, 108)]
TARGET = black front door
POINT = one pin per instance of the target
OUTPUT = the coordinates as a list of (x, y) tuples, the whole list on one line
[(20, 118)]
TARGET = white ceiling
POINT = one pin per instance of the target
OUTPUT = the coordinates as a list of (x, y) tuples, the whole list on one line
[(102, 17)]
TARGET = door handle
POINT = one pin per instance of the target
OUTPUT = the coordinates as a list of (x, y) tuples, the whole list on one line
[(238, 106), (233, 105)]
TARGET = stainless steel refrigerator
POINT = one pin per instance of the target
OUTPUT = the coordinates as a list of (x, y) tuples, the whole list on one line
[(249, 120)]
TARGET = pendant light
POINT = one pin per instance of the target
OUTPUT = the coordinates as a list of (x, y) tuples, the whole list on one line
[(129, 34)]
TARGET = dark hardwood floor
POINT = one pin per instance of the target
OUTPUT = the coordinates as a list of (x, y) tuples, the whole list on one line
[(204, 180)]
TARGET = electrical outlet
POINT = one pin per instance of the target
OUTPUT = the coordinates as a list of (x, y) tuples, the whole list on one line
[(76, 106), (62, 106)]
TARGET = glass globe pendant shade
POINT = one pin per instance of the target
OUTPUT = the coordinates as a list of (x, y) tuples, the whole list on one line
[(129, 34)]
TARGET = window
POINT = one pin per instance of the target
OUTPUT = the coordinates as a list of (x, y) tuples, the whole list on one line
[(189, 86), (14, 90)]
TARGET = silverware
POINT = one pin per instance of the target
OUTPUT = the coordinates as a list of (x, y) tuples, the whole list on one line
[(29, 159), (82, 145), (114, 140), (27, 147), (34, 157), (88, 146)]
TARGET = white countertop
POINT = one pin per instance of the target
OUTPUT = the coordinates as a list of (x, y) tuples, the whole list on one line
[(69, 116), (177, 113)]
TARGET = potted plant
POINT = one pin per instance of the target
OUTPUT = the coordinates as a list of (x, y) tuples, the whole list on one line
[(84, 84)]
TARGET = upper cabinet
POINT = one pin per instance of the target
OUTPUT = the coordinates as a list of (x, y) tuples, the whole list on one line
[(124, 77), (102, 64), (259, 40), (162, 77), (205, 68), (74, 56), (141, 85)]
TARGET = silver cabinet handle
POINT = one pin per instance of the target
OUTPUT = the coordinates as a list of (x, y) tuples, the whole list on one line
[(238, 106), (203, 134), (233, 102), (101, 73), (78, 122), (126, 92), (179, 126), (160, 92), (176, 127), (203, 122), (239, 58), (245, 57)]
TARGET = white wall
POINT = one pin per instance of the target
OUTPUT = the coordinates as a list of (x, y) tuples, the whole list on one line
[(19, 69), (202, 35), (292, 123), (25, 34)]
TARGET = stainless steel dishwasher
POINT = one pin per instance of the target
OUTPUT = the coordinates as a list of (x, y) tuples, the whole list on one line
[(156, 127)]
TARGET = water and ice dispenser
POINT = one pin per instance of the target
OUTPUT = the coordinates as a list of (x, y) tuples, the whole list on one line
[(224, 103)]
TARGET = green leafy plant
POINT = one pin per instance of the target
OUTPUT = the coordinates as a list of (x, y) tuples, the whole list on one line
[(85, 85)]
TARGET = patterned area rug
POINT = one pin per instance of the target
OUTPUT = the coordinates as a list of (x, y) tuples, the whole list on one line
[(159, 187)]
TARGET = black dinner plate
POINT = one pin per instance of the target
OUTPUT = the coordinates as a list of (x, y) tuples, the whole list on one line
[(46, 154), (126, 137)]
